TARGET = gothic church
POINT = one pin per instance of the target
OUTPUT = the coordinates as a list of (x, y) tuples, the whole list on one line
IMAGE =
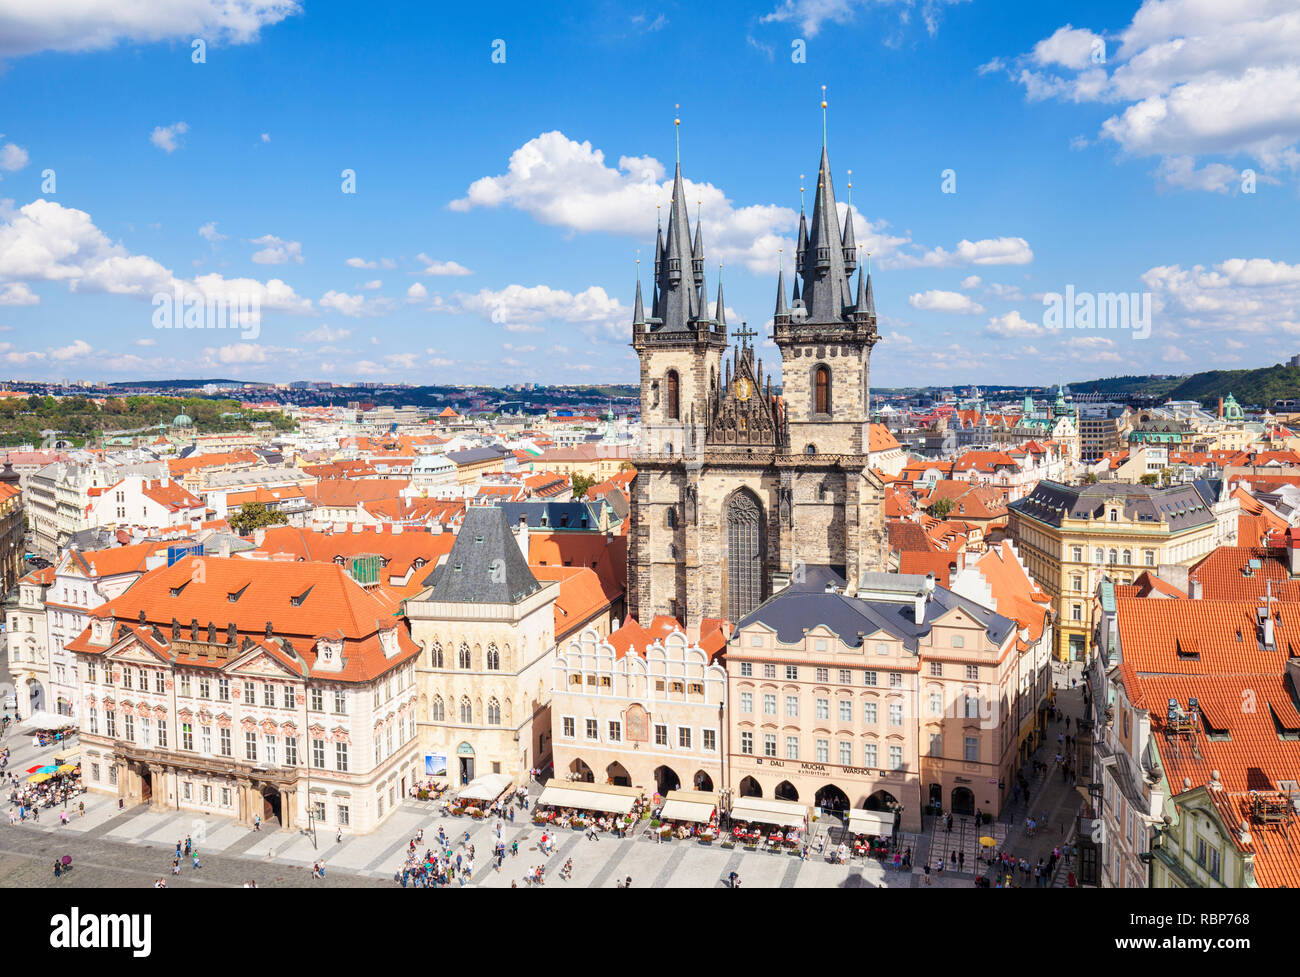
[(740, 490)]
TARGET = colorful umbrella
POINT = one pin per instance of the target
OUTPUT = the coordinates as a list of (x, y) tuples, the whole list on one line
[(36, 769), (68, 768), (38, 778)]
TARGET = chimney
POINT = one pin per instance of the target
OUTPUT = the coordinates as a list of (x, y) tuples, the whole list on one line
[(919, 606), (259, 536), (1220, 408), (1292, 541), (165, 481), (1194, 590)]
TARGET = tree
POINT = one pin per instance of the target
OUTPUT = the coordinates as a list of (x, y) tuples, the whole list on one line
[(254, 515), (1149, 478), (940, 508), (581, 483), (1089, 478)]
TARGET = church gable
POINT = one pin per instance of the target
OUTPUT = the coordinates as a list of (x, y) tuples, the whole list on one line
[(742, 410)]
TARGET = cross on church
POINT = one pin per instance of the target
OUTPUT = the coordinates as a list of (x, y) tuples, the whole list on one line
[(744, 334)]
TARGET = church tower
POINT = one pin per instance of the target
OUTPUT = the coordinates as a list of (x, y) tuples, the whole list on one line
[(740, 491)]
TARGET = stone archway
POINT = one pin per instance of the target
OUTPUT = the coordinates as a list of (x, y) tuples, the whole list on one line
[(785, 791), (749, 787)]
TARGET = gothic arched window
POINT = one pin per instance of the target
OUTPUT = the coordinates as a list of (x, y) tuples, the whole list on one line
[(435, 655), (493, 658), (462, 656), (822, 390), (466, 710), (674, 397), (744, 555), (436, 710), (494, 713)]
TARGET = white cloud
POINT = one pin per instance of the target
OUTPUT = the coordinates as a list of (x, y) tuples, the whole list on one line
[(241, 353), (1013, 326), (276, 251), (266, 137), (12, 157), (77, 349), (165, 137), (1256, 297), (1180, 172), (1194, 78), (1069, 47), (564, 183), (363, 263), (520, 308), (210, 233), (971, 281), (355, 306), (45, 241), (326, 334), (402, 361), (451, 268), (146, 342), (417, 293), (940, 301), (988, 251), (810, 15), (18, 293), (373, 285), (93, 25)]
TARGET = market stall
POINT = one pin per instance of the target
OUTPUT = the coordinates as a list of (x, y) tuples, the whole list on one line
[(573, 803), (482, 793), (690, 812), (870, 831), (755, 820)]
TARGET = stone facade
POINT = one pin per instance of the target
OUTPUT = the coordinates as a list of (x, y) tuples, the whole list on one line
[(738, 488)]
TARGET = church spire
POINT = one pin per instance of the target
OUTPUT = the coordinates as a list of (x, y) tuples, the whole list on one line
[(826, 290), (638, 309), (848, 244), (676, 289), (781, 309), (720, 313)]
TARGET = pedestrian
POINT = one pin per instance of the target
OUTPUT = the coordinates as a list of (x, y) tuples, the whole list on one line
[(81, 808), (178, 849), (176, 866), (257, 822), (961, 861), (196, 859), (338, 837), (188, 844), (939, 868), (734, 880), (927, 872)]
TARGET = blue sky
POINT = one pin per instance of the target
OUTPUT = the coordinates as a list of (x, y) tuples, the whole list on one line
[(499, 207)]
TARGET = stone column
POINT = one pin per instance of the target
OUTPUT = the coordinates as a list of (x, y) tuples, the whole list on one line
[(158, 784)]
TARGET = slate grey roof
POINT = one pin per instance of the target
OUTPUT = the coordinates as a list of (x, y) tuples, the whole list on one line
[(793, 611), (485, 565), (1184, 506), (554, 515), (470, 456)]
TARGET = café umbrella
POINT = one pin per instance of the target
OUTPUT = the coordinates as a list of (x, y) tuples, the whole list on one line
[(67, 768), (38, 778)]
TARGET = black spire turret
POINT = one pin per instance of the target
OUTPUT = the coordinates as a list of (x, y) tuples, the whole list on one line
[(677, 294), (825, 281)]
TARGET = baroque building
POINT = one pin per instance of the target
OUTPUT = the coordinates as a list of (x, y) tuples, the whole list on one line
[(738, 489)]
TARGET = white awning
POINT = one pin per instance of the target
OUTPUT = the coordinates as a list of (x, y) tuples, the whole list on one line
[(870, 822), (786, 814), (486, 788), (584, 798), (45, 720), (689, 805)]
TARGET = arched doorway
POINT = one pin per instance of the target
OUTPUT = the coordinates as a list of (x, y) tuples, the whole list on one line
[(881, 800), (963, 800), (465, 757), (785, 791), (831, 798), (271, 804), (749, 788), (618, 775), (666, 779), (146, 784), (703, 781), (579, 770), (743, 570), (36, 696)]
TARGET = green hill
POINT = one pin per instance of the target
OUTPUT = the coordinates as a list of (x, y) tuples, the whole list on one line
[(1252, 388)]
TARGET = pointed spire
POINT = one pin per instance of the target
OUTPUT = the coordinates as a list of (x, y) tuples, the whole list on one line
[(720, 311), (702, 300), (780, 293), (795, 296), (826, 288), (871, 295), (677, 292), (638, 310), (847, 240), (860, 306)]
